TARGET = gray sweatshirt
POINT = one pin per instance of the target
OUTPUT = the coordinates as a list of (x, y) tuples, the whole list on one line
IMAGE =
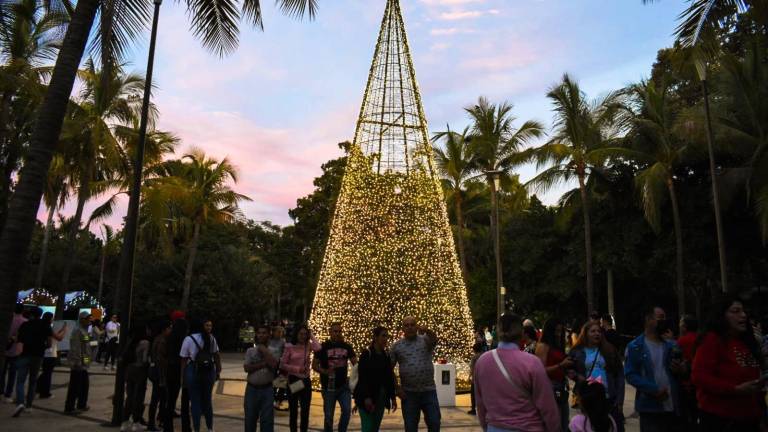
[(80, 354)]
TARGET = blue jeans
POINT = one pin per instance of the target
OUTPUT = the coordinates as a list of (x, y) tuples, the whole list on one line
[(9, 372), (259, 409), (417, 402), (344, 397), (27, 366), (200, 396)]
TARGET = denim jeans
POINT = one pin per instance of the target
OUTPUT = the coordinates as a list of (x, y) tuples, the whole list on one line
[(258, 408), (27, 366), (200, 396), (417, 402), (9, 372), (344, 397)]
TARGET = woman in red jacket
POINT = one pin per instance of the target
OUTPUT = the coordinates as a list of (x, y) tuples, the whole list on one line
[(727, 372)]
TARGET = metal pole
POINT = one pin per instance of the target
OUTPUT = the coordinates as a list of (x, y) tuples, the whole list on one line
[(128, 251), (715, 192)]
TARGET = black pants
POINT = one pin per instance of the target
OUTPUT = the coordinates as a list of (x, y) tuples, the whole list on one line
[(111, 352), (77, 391), (472, 395), (174, 388), (186, 415), (713, 423), (301, 399), (9, 373), (659, 422), (136, 390), (46, 376), (158, 399)]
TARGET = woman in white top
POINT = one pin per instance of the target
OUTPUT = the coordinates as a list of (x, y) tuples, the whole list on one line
[(201, 366)]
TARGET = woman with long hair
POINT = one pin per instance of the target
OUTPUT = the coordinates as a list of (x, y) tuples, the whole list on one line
[(201, 366), (595, 410), (135, 357), (597, 360), (727, 372), (375, 389), (296, 364), (551, 351)]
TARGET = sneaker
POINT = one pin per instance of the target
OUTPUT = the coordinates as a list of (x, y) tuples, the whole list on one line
[(8, 400), (126, 426), (84, 409), (137, 427), (472, 412), (113, 367), (70, 412), (50, 396), (18, 410), (106, 367)]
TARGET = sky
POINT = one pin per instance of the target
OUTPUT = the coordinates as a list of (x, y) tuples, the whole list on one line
[(279, 105)]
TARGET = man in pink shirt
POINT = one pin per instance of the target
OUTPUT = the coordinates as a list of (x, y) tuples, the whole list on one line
[(511, 387), (12, 353)]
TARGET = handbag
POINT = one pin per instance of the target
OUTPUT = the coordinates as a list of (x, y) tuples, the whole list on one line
[(296, 386), (280, 382)]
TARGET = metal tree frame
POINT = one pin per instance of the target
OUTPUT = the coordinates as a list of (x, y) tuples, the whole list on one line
[(390, 252)]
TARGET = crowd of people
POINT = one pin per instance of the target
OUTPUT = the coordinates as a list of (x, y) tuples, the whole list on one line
[(557, 378), (710, 380)]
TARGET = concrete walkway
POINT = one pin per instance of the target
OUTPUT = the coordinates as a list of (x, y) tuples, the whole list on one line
[(48, 415)]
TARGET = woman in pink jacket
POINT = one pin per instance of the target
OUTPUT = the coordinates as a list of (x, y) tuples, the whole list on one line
[(297, 365)]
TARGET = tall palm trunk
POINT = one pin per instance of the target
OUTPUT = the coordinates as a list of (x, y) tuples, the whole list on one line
[(679, 279), (72, 242), (190, 267), (44, 250), (102, 267), (22, 212), (587, 243), (5, 182), (460, 235), (497, 252)]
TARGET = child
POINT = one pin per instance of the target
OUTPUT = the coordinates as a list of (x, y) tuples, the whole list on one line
[(594, 407)]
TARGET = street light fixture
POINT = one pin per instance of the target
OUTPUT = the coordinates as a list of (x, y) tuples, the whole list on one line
[(494, 179), (128, 251)]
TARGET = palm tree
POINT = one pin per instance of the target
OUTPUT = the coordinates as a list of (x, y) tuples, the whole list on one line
[(90, 141), (498, 147), (658, 149), (110, 245), (30, 31), (195, 193), (215, 22), (455, 164), (583, 130)]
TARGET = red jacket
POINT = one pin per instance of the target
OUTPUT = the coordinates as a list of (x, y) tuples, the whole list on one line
[(719, 366)]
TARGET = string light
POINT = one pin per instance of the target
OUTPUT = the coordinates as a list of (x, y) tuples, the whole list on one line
[(391, 253)]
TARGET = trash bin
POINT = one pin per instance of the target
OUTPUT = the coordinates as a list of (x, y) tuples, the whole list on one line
[(445, 383)]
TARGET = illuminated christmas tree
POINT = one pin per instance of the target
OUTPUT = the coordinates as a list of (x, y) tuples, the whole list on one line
[(390, 253)]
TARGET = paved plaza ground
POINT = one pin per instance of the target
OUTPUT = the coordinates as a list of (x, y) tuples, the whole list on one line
[(48, 415)]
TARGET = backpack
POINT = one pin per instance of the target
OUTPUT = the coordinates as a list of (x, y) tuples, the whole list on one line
[(204, 359)]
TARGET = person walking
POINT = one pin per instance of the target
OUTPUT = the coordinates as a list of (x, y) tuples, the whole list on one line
[(158, 375), (512, 389), (332, 362), (136, 359), (201, 366), (597, 360), (652, 370), (727, 372), (179, 333), (49, 360), (80, 356), (551, 351), (595, 410), (98, 336), (112, 330), (277, 345), (33, 339), (478, 349), (295, 363), (413, 356), (260, 365), (8, 378), (375, 389)]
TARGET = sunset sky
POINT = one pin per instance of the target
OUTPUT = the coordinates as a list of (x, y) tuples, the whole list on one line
[(280, 104)]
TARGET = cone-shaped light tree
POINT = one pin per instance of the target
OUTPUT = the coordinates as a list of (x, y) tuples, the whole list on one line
[(391, 253)]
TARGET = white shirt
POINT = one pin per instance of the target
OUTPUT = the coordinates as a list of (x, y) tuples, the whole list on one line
[(113, 330), (190, 350)]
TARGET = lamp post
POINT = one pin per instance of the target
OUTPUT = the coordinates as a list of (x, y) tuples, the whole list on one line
[(494, 180), (128, 250), (701, 69)]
